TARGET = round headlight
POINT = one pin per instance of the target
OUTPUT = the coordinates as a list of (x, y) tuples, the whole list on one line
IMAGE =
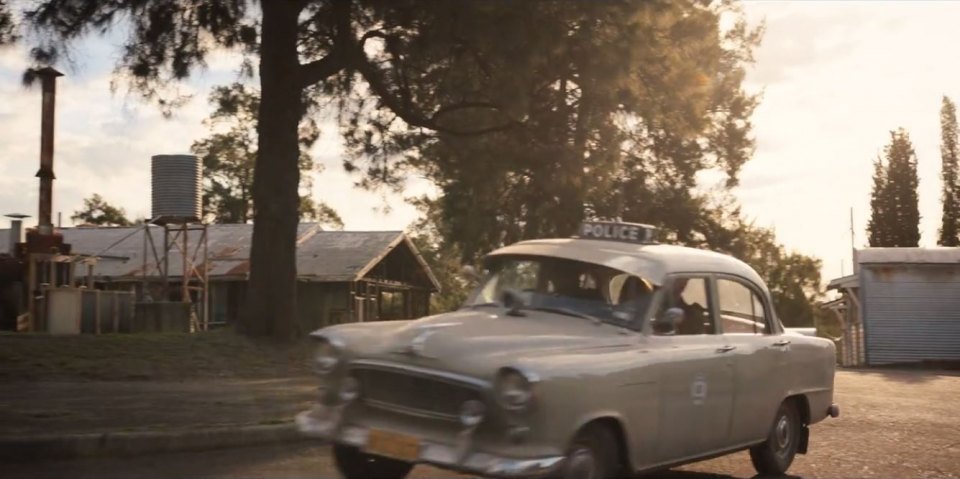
[(514, 389), (349, 389), (327, 357)]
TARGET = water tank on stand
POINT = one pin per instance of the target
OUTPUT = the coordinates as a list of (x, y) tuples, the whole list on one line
[(177, 207), (176, 188)]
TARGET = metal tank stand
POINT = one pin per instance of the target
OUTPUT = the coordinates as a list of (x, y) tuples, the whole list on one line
[(186, 243)]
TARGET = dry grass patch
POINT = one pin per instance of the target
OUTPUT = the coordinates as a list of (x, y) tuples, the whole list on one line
[(124, 357)]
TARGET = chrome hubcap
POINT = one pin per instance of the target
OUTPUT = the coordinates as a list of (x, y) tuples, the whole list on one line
[(581, 465), (783, 433)]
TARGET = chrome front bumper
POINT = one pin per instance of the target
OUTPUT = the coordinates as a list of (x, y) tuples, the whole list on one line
[(323, 422)]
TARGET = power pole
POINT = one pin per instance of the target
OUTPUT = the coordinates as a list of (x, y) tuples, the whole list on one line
[(853, 247)]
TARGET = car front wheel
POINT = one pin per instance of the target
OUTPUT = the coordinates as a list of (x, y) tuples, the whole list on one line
[(356, 464), (774, 456), (592, 455)]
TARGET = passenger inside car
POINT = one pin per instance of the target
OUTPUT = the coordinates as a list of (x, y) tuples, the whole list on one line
[(690, 296)]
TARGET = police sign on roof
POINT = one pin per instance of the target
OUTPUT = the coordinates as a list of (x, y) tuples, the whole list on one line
[(627, 232)]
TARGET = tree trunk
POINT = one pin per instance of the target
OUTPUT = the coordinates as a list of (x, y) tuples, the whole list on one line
[(271, 294)]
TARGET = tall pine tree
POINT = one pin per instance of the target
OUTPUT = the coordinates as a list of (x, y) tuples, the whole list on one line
[(895, 215), (878, 229), (950, 224)]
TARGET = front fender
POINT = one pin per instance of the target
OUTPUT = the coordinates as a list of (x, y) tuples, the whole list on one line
[(575, 390)]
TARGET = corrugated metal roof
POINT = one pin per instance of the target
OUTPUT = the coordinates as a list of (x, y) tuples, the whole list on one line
[(343, 255), (350, 255), (321, 255), (850, 281), (121, 249), (908, 255)]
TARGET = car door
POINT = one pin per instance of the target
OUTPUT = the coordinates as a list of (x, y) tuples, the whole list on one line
[(749, 331), (695, 376)]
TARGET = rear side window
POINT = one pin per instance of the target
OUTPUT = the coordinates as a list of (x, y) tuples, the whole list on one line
[(741, 309)]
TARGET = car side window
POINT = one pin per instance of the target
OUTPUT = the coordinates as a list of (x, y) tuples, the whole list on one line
[(685, 308), (741, 309)]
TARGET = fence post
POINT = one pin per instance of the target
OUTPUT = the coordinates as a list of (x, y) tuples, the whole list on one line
[(96, 320), (96, 307), (116, 310)]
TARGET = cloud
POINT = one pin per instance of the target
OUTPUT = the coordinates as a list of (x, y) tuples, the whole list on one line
[(802, 35), (102, 144), (360, 209), (837, 77)]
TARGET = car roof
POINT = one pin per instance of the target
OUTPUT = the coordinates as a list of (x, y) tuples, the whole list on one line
[(653, 262)]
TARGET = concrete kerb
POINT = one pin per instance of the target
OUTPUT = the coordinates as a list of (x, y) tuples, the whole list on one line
[(27, 449)]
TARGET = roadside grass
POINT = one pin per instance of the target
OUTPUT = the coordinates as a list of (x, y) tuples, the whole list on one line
[(126, 357)]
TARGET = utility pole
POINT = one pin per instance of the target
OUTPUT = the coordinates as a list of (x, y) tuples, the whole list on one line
[(853, 248)]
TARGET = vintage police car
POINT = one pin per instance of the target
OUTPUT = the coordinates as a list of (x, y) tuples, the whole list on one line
[(590, 357)]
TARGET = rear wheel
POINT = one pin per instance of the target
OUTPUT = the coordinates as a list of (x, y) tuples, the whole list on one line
[(592, 455), (774, 456), (356, 464)]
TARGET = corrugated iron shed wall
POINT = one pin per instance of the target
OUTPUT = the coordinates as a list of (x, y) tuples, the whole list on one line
[(911, 312)]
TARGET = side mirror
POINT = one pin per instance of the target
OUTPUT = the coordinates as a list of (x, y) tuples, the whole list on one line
[(513, 302), (470, 274), (668, 322)]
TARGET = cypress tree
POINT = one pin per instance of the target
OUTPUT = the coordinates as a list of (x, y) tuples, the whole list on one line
[(901, 191), (894, 205), (878, 228), (950, 220)]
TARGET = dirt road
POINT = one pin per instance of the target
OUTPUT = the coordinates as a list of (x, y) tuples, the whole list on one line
[(893, 423), (903, 424)]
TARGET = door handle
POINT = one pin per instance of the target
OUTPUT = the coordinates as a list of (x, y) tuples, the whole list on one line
[(782, 342), (726, 349)]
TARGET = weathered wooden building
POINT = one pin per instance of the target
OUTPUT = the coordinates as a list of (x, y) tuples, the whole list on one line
[(902, 305), (343, 276)]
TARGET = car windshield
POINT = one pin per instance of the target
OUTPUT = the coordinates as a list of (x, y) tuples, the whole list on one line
[(566, 287)]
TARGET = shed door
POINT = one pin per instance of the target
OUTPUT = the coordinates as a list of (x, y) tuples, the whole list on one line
[(911, 313)]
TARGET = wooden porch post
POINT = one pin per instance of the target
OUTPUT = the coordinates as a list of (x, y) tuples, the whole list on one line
[(351, 301)]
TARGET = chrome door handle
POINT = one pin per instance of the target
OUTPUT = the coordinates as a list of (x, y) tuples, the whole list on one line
[(726, 349), (782, 342)]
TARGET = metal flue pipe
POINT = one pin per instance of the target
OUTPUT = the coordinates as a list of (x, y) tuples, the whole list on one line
[(48, 78)]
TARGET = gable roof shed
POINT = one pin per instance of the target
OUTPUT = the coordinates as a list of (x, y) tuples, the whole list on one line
[(322, 256)]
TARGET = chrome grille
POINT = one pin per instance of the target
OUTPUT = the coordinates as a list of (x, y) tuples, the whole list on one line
[(413, 393)]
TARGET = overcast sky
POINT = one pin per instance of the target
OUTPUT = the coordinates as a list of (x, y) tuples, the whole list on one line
[(835, 78)]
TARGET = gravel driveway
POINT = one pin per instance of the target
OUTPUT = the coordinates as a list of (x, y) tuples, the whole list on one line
[(893, 423)]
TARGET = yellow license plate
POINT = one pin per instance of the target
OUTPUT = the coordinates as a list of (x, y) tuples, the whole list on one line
[(391, 444)]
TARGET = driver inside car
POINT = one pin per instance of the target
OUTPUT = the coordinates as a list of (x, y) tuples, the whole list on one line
[(635, 296), (571, 286)]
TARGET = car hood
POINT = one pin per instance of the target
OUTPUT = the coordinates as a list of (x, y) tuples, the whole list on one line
[(476, 342)]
